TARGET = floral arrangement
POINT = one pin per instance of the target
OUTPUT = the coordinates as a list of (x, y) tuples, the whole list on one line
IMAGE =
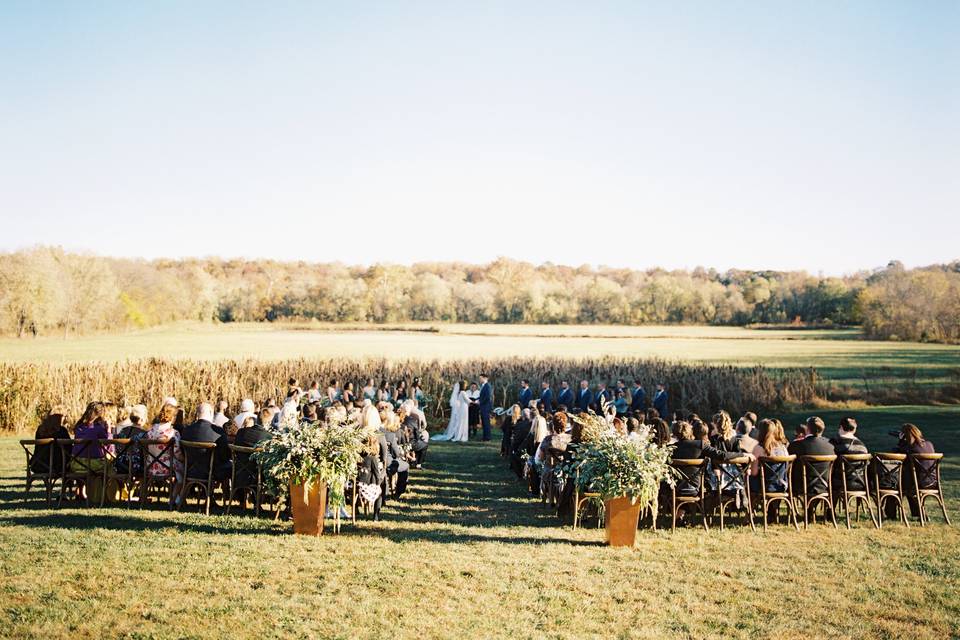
[(615, 466), (305, 453)]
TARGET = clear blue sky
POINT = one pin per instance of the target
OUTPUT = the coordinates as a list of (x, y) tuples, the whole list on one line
[(814, 135)]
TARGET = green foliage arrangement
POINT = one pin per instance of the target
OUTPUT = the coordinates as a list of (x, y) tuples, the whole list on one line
[(615, 466), (309, 453)]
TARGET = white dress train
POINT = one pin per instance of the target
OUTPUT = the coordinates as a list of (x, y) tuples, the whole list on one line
[(458, 429)]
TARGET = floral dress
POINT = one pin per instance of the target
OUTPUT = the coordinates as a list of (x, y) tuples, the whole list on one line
[(161, 466)]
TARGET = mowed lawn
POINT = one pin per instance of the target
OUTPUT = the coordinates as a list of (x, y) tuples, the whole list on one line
[(467, 555), (840, 355)]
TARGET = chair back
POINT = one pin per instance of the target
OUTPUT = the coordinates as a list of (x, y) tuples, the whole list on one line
[(775, 473), (121, 449), (733, 475), (888, 470), (246, 470), (198, 459), (926, 470), (78, 452), (853, 471), (817, 472), (689, 478), (158, 457), (39, 454)]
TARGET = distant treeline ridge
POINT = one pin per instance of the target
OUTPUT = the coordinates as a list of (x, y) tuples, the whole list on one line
[(45, 290)]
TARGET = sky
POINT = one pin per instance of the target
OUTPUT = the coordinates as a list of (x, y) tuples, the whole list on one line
[(809, 135)]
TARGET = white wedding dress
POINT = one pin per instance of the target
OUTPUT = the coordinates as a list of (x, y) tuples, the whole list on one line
[(458, 430)]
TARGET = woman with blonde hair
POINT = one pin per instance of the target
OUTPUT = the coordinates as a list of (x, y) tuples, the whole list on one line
[(773, 442), (507, 420), (394, 457)]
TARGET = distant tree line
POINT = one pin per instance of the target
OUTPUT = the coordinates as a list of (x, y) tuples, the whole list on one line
[(45, 290)]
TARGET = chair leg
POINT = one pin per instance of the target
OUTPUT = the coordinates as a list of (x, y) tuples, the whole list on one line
[(943, 508), (846, 509)]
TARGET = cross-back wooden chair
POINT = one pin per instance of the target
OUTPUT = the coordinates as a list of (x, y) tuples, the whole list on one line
[(111, 474), (551, 485), (733, 489), (854, 470), (581, 500), (159, 469), (776, 487), (925, 468), (816, 471), (246, 478), (888, 483), (81, 476), (198, 452), (689, 488), (41, 465)]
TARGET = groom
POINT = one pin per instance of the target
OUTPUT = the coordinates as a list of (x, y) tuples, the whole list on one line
[(485, 404)]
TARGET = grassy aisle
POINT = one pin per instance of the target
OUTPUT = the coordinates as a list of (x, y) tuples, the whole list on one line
[(465, 554)]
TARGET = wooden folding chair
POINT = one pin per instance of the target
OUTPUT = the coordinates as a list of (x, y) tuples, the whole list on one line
[(888, 483), (197, 451), (812, 470), (122, 479), (854, 467), (246, 477), (165, 477), (77, 477), (927, 475), (40, 465), (690, 477), (777, 469), (733, 488)]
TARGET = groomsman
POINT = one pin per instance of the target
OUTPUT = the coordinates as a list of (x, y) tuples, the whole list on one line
[(565, 397), (485, 403), (661, 402), (526, 394), (585, 397), (639, 399), (603, 395), (546, 397)]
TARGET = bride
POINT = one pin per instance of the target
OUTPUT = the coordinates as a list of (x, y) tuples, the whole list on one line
[(458, 430)]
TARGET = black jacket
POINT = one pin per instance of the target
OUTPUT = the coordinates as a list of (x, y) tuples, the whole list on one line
[(252, 436), (816, 476), (205, 431)]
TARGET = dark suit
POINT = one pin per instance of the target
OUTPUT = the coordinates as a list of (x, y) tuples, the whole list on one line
[(526, 395), (518, 437), (584, 399), (547, 399), (205, 431), (393, 460), (485, 403), (810, 446), (565, 398), (844, 446), (639, 400), (661, 402), (603, 396), (252, 436)]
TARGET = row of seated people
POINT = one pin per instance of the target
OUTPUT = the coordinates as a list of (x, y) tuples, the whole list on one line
[(403, 436), (531, 440)]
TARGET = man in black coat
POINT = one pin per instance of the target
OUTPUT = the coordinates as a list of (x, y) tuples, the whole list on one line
[(203, 430), (638, 397), (847, 442), (584, 397), (519, 436), (813, 445), (565, 397)]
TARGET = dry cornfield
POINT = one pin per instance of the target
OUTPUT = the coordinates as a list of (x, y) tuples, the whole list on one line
[(29, 390)]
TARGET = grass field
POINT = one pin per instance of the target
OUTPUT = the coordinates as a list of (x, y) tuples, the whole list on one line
[(840, 355), (468, 555)]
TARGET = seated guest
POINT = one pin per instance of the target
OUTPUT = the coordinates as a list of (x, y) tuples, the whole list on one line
[(310, 416), (202, 430), (220, 417), (748, 432), (246, 409), (370, 476), (620, 403), (91, 426), (252, 434), (652, 414), (521, 432), (129, 459), (693, 445), (633, 429), (393, 458), (813, 445), (660, 432), (551, 449), (509, 419), (724, 436), (772, 442), (911, 441), (751, 418), (418, 437), (49, 457), (163, 459), (847, 442)]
